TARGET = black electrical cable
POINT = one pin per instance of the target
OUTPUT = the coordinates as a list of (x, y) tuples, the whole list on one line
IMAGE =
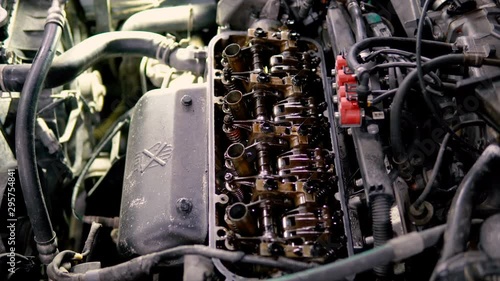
[(118, 125), (407, 44), (399, 151), (402, 53), (139, 268), (402, 43), (430, 182), (383, 96), (45, 236), (390, 65), (484, 171), (418, 47)]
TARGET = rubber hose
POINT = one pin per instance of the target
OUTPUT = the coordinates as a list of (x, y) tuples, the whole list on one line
[(36, 208), (172, 19), (73, 62), (398, 248), (357, 18), (382, 228), (460, 215), (399, 152)]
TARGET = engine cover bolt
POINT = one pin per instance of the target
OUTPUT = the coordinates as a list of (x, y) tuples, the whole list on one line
[(184, 205), (186, 100)]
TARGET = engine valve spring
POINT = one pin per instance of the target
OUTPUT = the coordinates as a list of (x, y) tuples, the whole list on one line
[(232, 133), (236, 191), (228, 81)]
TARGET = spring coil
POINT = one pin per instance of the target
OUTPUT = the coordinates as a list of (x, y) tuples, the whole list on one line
[(232, 133), (227, 80), (238, 193), (229, 85)]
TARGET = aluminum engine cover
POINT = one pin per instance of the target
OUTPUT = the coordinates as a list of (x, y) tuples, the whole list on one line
[(164, 200)]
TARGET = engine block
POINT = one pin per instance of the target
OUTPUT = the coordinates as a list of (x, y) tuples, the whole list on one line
[(274, 170)]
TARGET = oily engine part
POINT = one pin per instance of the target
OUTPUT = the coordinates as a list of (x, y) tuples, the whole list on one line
[(273, 172)]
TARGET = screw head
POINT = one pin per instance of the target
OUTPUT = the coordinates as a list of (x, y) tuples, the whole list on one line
[(184, 205), (266, 127), (259, 32), (263, 78), (186, 100)]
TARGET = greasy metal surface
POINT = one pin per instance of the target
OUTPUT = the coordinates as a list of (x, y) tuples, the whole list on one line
[(164, 200), (257, 137)]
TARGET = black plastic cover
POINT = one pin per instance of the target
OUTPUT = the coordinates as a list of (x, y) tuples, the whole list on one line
[(165, 200)]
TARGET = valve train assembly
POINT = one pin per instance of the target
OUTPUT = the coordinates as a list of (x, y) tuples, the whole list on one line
[(245, 140)]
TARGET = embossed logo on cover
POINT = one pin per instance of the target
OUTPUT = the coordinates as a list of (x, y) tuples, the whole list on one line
[(157, 155)]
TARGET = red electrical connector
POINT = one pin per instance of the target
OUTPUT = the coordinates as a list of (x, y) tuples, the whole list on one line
[(349, 114)]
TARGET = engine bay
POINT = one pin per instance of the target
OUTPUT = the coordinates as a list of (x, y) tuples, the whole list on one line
[(245, 140)]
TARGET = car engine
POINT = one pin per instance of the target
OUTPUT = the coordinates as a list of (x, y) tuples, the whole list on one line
[(245, 140)]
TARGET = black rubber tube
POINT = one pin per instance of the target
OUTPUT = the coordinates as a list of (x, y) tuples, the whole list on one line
[(381, 228), (399, 152), (411, 244), (73, 62), (140, 267), (172, 19), (36, 208), (418, 44), (407, 44), (398, 149), (439, 158), (460, 214), (358, 20)]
